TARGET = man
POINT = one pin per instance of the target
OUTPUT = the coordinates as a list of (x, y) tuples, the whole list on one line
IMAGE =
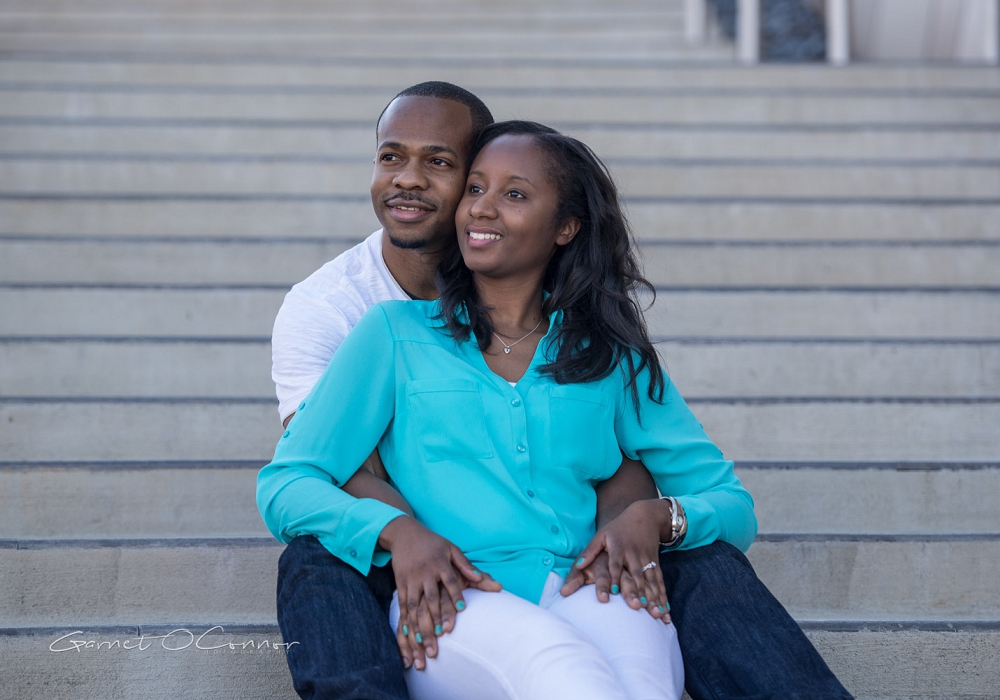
[(737, 640)]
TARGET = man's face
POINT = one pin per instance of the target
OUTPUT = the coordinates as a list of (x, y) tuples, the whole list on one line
[(419, 177)]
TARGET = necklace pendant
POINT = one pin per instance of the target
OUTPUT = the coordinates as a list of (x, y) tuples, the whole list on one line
[(506, 351)]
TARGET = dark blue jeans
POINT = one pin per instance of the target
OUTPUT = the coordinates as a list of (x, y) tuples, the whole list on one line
[(736, 639)]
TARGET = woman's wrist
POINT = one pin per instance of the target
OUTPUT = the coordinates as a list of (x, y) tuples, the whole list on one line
[(657, 512), (395, 530), (663, 513)]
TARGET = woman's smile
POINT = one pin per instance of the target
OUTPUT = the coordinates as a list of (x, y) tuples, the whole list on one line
[(480, 237)]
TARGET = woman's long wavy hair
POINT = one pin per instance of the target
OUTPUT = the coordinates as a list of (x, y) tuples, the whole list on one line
[(594, 279)]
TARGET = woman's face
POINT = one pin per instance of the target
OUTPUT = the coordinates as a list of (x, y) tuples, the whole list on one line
[(506, 219)]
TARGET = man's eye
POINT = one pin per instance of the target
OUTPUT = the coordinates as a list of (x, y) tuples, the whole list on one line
[(386, 157), (440, 162)]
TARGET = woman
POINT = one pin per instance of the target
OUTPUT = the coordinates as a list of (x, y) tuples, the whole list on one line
[(496, 409)]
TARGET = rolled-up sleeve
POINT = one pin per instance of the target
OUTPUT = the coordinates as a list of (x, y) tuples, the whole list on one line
[(686, 464), (335, 428)]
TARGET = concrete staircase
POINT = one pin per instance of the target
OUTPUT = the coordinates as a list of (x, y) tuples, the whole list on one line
[(826, 245)]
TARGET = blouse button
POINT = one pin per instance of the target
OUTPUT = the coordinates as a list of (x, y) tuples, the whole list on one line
[(302, 405), (286, 433), (515, 402), (521, 448), (547, 561), (531, 494), (555, 530), (354, 553)]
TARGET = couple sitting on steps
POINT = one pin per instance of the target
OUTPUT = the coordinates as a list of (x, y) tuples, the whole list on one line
[(477, 430)]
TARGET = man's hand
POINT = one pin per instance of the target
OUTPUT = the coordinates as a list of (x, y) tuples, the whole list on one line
[(625, 546), (431, 573)]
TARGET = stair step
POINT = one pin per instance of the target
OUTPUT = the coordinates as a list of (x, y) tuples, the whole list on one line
[(483, 76), (565, 109), (524, 19), (148, 671), (197, 499), (333, 47), (106, 175), (137, 368), (347, 140), (885, 498), (677, 219), (227, 311), (116, 500), (654, 42), (797, 430), (116, 582), (890, 577), (874, 661), (672, 264)]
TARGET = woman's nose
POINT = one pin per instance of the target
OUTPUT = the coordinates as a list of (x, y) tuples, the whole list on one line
[(483, 207)]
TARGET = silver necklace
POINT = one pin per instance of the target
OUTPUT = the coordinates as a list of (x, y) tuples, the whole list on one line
[(506, 348)]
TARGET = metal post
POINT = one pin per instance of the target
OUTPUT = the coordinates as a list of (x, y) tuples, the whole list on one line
[(992, 53), (696, 21), (748, 31), (838, 32)]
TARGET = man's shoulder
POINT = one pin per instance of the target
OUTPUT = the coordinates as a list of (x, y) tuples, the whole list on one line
[(358, 276)]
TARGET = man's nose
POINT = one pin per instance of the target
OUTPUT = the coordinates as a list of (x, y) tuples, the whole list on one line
[(410, 176)]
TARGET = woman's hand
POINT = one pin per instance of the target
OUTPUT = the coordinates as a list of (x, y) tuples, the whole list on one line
[(596, 572), (431, 573), (630, 542)]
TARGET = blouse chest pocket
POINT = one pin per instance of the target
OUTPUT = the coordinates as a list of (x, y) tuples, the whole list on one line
[(450, 419), (582, 430)]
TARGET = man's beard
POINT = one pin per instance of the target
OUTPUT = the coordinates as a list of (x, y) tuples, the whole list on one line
[(407, 245)]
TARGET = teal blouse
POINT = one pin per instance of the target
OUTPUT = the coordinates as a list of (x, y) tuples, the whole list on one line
[(507, 473)]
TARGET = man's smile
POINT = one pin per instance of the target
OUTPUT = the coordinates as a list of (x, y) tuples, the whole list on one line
[(408, 210)]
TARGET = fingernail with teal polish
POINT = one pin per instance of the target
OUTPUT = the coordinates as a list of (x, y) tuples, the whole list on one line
[(406, 631), (643, 600), (437, 629), (460, 606), (615, 589), (420, 639), (662, 611), (477, 572), (579, 562), (668, 605)]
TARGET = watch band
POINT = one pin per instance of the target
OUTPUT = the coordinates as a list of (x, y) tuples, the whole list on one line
[(678, 523)]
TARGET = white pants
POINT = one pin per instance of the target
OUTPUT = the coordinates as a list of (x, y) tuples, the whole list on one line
[(506, 648)]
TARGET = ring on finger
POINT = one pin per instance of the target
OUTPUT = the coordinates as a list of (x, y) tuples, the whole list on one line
[(647, 567)]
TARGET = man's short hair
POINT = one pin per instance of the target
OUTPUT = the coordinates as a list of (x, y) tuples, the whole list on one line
[(480, 113)]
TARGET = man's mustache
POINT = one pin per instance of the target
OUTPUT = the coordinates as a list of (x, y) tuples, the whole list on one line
[(398, 198)]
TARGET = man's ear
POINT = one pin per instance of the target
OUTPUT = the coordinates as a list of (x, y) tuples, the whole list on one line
[(568, 231)]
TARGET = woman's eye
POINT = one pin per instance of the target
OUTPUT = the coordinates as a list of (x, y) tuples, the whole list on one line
[(514, 194), (475, 189)]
